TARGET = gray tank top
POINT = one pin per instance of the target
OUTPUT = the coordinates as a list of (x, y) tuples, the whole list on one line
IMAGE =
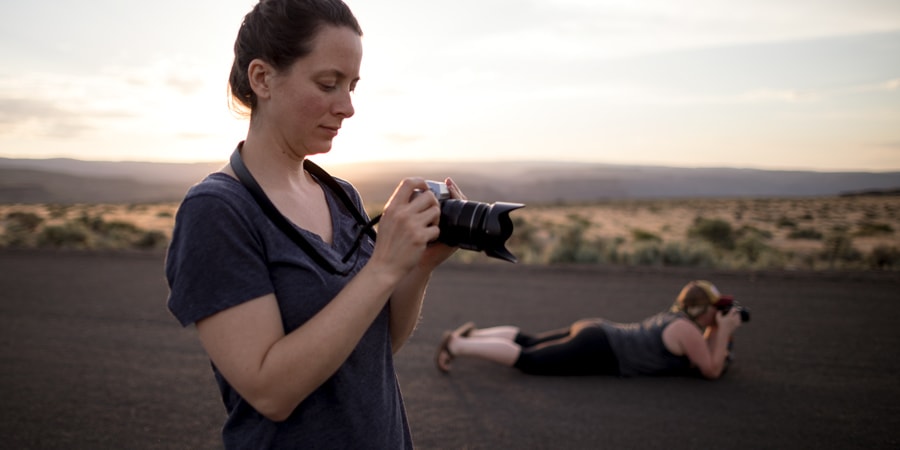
[(639, 346)]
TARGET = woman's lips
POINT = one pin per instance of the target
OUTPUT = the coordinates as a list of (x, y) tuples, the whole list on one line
[(332, 131)]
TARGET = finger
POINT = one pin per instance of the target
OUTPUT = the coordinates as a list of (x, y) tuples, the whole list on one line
[(455, 191), (405, 191), (424, 202), (414, 184)]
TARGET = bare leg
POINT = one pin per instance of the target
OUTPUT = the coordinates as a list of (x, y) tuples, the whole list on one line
[(505, 332), (497, 349)]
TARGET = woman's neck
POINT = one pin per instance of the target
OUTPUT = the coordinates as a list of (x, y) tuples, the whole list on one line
[(275, 165)]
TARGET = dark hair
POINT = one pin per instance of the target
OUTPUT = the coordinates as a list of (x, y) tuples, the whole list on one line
[(280, 32)]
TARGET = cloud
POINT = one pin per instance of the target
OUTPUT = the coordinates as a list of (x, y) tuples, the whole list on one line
[(20, 116), (767, 95), (104, 102), (791, 95), (597, 29)]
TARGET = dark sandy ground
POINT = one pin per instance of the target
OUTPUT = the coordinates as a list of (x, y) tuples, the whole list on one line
[(90, 358)]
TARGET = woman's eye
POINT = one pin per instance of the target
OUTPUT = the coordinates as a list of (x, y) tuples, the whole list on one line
[(327, 87)]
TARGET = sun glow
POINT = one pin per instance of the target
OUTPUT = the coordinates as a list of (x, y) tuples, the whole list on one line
[(562, 80)]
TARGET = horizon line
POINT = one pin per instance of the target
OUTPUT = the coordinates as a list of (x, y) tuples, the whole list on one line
[(520, 161)]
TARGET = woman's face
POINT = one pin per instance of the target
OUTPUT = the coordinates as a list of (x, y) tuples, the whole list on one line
[(708, 317), (310, 100)]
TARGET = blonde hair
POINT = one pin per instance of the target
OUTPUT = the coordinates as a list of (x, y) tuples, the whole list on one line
[(695, 298)]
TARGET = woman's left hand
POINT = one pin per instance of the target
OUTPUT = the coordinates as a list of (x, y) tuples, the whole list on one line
[(438, 252)]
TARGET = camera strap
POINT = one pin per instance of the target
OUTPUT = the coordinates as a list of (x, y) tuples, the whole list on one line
[(288, 228)]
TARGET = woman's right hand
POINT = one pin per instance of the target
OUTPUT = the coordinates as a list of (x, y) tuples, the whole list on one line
[(408, 223), (728, 322)]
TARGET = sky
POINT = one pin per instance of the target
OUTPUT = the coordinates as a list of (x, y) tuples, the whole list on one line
[(805, 84)]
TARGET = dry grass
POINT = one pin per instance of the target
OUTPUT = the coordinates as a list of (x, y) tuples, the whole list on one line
[(798, 229), (151, 217), (671, 219), (792, 233)]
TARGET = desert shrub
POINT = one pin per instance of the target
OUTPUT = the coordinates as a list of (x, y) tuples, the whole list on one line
[(526, 242), (890, 211), (570, 241), (771, 258), (640, 235), (117, 226), (867, 228), (646, 253), (25, 221), (785, 222), (747, 231), (715, 231), (93, 232), (572, 246), (805, 233), (884, 257), (804, 260), (824, 211), (19, 227), (597, 251), (752, 252), (92, 223), (149, 240), (114, 234), (870, 214), (750, 248), (136, 207), (693, 254), (68, 235), (58, 211), (610, 249), (838, 250)]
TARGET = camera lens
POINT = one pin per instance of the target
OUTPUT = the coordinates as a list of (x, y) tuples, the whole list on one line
[(478, 226), (744, 312)]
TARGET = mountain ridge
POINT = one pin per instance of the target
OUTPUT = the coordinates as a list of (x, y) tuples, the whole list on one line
[(63, 180)]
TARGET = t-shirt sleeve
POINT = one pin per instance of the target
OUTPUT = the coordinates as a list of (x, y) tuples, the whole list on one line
[(215, 260)]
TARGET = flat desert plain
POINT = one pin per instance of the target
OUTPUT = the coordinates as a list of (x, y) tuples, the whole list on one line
[(91, 359), (811, 233)]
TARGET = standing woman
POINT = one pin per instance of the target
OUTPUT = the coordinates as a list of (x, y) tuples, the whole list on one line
[(302, 355)]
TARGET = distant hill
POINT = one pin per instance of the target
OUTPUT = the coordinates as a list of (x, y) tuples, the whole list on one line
[(76, 181), (34, 186)]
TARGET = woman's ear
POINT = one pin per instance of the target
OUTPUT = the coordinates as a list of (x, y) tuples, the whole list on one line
[(696, 311), (260, 74)]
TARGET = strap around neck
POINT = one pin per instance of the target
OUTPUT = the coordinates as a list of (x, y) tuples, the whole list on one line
[(336, 187), (278, 219)]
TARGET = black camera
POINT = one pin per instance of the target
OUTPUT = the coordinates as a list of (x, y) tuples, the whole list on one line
[(726, 306), (474, 225)]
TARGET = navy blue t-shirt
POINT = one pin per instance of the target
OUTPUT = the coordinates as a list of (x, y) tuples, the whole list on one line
[(226, 251)]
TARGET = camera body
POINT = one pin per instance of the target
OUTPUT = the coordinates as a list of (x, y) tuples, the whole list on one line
[(474, 225), (725, 305), (440, 190)]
